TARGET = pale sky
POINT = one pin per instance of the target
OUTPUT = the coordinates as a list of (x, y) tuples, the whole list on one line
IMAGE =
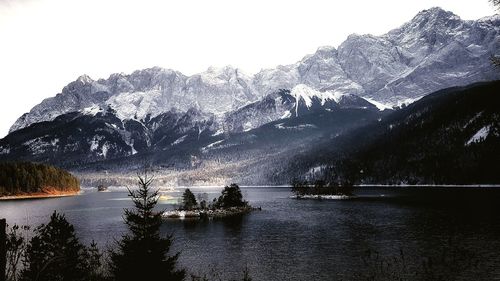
[(45, 44)]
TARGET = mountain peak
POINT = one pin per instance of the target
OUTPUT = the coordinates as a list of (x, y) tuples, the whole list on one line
[(326, 51), (85, 79), (435, 15), (216, 74), (434, 24), (152, 71), (436, 12), (222, 70)]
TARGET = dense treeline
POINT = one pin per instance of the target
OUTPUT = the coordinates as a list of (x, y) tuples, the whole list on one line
[(26, 177)]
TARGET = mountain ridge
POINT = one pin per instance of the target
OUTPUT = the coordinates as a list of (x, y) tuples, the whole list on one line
[(392, 69)]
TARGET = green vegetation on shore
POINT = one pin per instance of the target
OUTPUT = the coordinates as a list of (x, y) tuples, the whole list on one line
[(21, 178)]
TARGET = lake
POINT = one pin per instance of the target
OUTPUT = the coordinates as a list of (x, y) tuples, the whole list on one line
[(458, 229)]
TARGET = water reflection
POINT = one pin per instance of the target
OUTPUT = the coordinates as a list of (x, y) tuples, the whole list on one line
[(305, 239)]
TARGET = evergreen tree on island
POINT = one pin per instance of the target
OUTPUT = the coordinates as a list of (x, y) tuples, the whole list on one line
[(188, 200), (144, 254), (231, 197)]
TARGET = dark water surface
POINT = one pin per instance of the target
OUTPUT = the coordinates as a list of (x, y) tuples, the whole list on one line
[(309, 239)]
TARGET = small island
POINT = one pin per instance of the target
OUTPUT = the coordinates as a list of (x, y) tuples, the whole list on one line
[(230, 203), (24, 180), (322, 190), (102, 188)]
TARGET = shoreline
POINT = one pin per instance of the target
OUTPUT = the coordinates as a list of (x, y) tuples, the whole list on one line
[(432, 185), (398, 185), (323, 197), (208, 213), (38, 196)]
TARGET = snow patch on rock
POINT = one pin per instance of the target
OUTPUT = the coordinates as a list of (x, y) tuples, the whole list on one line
[(300, 127), (479, 136), (91, 110), (179, 140), (379, 105)]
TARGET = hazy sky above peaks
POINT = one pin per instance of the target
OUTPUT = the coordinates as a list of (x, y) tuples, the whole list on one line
[(45, 44)]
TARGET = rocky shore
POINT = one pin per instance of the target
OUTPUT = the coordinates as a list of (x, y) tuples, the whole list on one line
[(208, 213), (324, 197)]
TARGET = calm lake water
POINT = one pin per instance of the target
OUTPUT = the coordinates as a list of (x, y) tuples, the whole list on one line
[(308, 239)]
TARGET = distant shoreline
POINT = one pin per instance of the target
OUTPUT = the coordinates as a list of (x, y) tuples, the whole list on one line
[(393, 185), (429, 185), (38, 195), (356, 185), (384, 185)]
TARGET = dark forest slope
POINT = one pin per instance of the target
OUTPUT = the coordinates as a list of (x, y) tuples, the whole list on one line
[(449, 137)]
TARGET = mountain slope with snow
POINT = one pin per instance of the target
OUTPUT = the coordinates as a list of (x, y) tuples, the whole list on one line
[(96, 134), (435, 50), (301, 100), (449, 137)]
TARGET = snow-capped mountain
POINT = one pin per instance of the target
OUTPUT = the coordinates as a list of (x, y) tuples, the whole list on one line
[(435, 50), (301, 100), (99, 134), (146, 92)]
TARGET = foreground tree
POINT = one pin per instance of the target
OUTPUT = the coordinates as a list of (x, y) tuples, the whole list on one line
[(188, 200), (143, 254), (16, 247), (54, 253)]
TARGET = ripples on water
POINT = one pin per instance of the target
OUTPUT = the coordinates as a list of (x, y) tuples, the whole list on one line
[(303, 239)]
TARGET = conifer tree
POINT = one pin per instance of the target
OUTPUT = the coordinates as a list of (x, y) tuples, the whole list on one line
[(54, 253), (188, 200), (143, 254), (231, 197)]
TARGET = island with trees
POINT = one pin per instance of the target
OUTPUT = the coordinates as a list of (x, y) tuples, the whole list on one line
[(229, 203), (320, 189), (20, 180)]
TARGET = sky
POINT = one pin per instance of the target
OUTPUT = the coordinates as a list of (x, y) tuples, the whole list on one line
[(45, 44)]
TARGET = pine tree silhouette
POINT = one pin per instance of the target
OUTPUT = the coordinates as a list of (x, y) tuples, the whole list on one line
[(54, 253), (188, 200), (143, 253)]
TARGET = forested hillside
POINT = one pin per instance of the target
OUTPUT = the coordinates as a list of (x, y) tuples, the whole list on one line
[(18, 178), (449, 137)]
